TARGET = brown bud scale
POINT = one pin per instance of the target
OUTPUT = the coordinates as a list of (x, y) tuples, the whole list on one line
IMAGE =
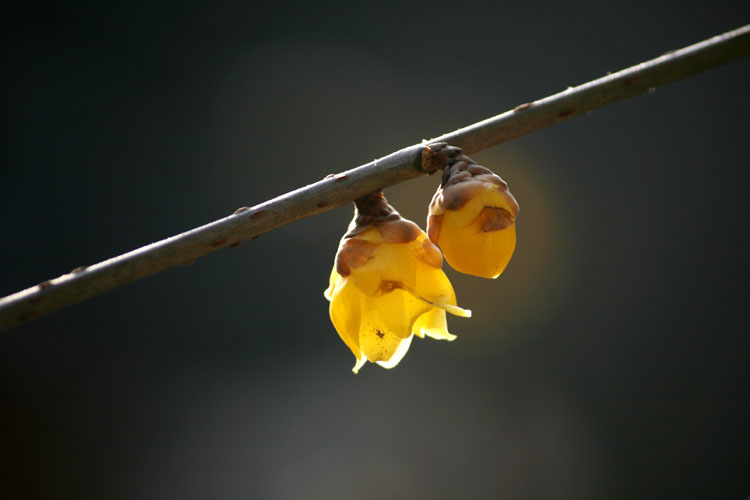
[(494, 219), (463, 180), (374, 210), (353, 253)]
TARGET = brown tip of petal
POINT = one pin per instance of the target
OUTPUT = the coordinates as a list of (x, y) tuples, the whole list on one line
[(353, 253), (494, 219), (461, 175), (434, 223), (460, 165), (429, 254), (479, 170), (457, 195), (436, 204), (398, 231), (491, 178)]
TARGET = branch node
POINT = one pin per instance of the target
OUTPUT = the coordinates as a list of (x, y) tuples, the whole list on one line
[(523, 106)]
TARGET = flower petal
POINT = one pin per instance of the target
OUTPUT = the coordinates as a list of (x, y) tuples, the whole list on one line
[(332, 280), (382, 346), (388, 320), (433, 324), (467, 213), (392, 313), (392, 262), (359, 364), (472, 250), (427, 252), (403, 346), (454, 310), (374, 327), (346, 312), (435, 287)]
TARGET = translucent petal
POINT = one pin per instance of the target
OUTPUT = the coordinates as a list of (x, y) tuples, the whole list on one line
[(428, 253), (371, 234), (466, 214), (392, 313), (471, 250), (454, 310), (434, 286), (494, 198), (380, 344), (435, 290), (387, 321), (403, 346), (392, 262), (433, 324), (359, 364), (345, 311), (334, 278)]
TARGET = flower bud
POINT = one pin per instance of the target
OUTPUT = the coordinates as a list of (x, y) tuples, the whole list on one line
[(472, 218)]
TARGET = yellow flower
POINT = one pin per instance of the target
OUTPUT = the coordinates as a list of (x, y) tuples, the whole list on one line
[(387, 285), (472, 219)]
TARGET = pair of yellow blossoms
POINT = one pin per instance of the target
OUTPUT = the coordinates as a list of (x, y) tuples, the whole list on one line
[(387, 283)]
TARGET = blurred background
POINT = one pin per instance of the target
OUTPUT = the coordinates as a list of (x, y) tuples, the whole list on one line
[(610, 360)]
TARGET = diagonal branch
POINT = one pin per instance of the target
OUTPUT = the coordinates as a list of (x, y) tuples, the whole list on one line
[(337, 190)]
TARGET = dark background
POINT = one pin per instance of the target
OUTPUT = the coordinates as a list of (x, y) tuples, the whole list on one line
[(611, 359)]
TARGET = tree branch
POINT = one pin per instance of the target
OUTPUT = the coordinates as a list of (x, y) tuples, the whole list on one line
[(337, 190)]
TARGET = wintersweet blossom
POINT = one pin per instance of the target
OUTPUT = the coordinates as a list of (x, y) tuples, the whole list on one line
[(472, 219), (387, 284)]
